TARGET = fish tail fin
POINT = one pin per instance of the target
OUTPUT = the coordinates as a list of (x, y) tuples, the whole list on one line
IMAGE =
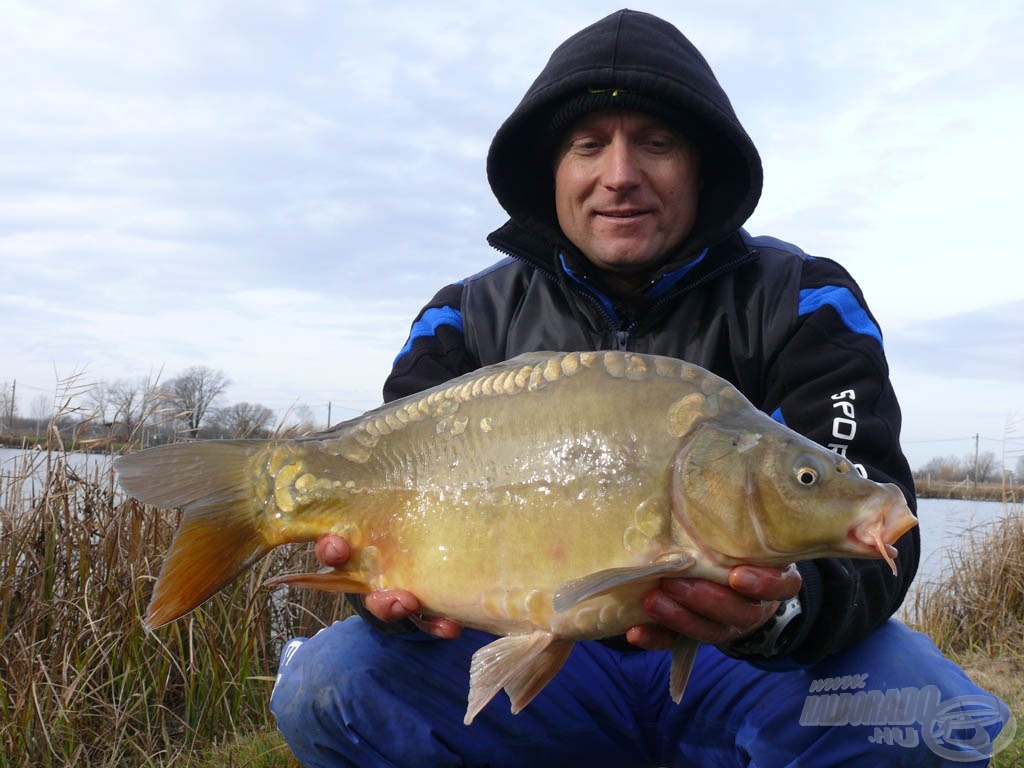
[(221, 532)]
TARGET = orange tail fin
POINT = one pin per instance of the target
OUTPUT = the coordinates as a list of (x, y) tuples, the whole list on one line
[(221, 530)]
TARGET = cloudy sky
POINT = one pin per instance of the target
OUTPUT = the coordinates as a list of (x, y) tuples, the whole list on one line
[(273, 189)]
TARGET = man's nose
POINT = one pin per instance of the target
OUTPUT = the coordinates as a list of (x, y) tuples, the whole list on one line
[(620, 168)]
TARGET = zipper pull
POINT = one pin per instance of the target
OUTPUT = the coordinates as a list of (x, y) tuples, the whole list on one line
[(622, 340)]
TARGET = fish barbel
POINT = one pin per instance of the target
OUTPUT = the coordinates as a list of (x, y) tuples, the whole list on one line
[(538, 499)]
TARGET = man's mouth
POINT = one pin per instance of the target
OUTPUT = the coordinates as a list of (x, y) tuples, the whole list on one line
[(628, 214)]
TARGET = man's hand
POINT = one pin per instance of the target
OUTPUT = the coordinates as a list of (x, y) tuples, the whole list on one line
[(714, 613), (386, 604)]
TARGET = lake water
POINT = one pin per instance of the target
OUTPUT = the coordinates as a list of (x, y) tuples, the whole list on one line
[(943, 521), (26, 471), (943, 524), (13, 461)]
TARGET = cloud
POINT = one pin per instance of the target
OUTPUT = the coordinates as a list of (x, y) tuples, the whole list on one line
[(275, 189), (979, 344)]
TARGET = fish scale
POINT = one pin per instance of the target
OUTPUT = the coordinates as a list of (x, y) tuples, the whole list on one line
[(538, 500)]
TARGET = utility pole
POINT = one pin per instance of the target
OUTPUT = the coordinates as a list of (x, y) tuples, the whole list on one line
[(10, 406), (975, 495)]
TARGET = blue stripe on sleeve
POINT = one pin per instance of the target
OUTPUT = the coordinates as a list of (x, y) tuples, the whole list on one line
[(842, 300), (428, 324)]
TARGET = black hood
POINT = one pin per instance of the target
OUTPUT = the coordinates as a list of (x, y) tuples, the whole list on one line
[(628, 60)]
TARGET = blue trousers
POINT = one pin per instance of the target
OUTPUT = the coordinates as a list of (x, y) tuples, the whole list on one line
[(353, 696)]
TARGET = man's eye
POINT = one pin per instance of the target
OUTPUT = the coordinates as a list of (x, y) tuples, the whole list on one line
[(660, 144)]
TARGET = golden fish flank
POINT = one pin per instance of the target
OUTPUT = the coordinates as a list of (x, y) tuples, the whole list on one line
[(538, 499)]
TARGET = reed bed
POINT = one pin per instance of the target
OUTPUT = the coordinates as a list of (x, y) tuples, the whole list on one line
[(978, 605), (81, 682), (975, 614)]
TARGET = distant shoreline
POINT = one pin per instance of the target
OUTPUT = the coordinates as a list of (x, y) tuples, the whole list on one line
[(966, 490)]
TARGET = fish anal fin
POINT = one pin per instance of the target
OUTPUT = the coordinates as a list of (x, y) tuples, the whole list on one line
[(527, 684), (572, 593), (684, 653), (516, 662), (327, 580)]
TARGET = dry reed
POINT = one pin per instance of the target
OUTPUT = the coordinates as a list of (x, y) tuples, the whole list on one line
[(81, 682), (978, 605)]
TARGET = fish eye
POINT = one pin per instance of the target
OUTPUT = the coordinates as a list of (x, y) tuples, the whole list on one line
[(807, 473), (806, 476)]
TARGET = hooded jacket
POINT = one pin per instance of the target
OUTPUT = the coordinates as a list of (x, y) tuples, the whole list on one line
[(791, 331)]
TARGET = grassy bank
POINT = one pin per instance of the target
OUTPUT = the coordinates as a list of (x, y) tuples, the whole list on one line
[(81, 682), (975, 614)]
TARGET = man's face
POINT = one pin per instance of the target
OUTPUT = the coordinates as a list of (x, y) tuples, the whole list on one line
[(626, 188)]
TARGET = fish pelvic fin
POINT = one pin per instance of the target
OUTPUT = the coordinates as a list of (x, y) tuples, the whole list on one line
[(572, 593), (521, 664), (684, 653), (221, 532)]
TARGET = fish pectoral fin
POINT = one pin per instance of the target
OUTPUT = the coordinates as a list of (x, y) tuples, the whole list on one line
[(327, 580), (684, 653), (574, 592), (521, 664)]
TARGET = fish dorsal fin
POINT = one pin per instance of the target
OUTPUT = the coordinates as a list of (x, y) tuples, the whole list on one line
[(521, 664), (684, 653), (574, 592)]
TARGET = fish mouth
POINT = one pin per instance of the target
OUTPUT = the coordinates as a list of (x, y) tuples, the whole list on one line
[(875, 537)]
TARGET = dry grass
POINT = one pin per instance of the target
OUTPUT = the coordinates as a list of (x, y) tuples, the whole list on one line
[(81, 682), (978, 606), (975, 614)]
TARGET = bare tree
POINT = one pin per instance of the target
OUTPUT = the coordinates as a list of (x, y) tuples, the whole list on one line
[(243, 420), (96, 399), (298, 421), (8, 406), (193, 393), (981, 467), (946, 468), (137, 405), (42, 412)]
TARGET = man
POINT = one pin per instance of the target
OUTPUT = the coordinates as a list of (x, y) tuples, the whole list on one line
[(627, 177)]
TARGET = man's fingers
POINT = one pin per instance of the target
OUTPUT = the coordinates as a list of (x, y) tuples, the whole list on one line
[(438, 626), (763, 583), (398, 604), (709, 612), (332, 551), (391, 604), (651, 637)]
